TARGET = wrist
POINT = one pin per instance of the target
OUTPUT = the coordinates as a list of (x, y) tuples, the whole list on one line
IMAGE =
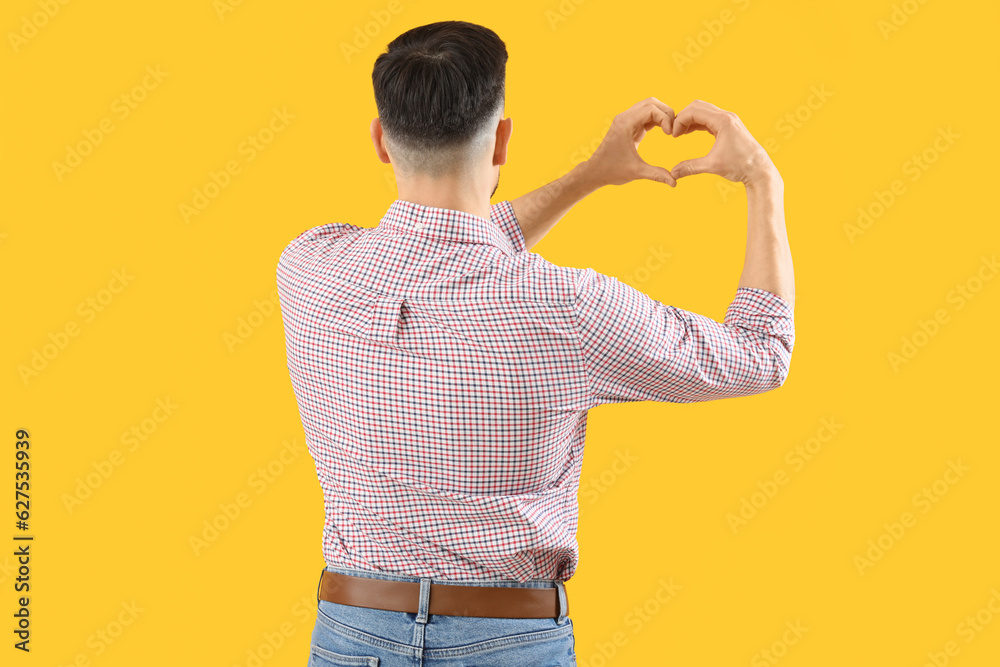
[(587, 175), (764, 178)]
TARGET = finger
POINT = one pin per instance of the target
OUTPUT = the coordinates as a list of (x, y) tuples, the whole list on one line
[(700, 165), (660, 175), (692, 127), (706, 105), (654, 116), (697, 116), (649, 113), (667, 110)]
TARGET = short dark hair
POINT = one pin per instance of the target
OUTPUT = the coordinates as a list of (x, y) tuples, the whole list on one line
[(438, 87)]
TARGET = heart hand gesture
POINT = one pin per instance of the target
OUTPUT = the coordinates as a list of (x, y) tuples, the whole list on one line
[(735, 155)]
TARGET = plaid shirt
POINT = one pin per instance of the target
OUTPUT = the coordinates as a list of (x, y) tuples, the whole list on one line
[(443, 375)]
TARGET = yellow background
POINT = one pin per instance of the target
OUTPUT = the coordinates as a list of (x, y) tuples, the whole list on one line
[(572, 67)]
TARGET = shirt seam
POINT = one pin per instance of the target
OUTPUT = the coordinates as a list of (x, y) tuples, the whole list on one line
[(582, 356), (513, 227)]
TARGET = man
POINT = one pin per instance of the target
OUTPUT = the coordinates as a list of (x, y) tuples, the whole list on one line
[(443, 373)]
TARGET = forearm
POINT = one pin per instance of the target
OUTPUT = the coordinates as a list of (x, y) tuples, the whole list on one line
[(768, 261), (539, 210)]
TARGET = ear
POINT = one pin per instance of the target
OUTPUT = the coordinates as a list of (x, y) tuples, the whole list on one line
[(379, 140), (504, 129)]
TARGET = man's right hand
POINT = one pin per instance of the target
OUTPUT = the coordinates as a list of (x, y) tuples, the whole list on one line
[(616, 160), (735, 155)]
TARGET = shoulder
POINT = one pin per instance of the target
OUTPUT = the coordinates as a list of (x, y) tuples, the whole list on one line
[(314, 240), (530, 277)]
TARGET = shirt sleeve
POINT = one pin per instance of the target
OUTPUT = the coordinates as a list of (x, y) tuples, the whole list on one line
[(502, 213), (638, 349)]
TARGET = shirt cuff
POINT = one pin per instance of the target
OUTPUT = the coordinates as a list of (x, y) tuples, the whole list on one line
[(755, 308), (502, 213)]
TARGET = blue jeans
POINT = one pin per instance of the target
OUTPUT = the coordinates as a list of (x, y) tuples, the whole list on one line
[(348, 635)]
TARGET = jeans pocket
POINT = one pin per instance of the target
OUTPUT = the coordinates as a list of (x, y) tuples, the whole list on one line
[(321, 657), (547, 645)]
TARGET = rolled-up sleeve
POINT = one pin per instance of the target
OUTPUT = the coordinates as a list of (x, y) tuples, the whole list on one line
[(636, 348)]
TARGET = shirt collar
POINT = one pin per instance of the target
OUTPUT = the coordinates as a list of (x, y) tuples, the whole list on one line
[(444, 223)]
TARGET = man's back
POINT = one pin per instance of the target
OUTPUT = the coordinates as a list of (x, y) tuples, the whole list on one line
[(439, 403), (444, 374)]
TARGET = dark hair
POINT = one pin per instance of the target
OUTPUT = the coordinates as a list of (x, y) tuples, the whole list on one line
[(437, 85)]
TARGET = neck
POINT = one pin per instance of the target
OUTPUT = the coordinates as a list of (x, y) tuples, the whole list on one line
[(459, 194)]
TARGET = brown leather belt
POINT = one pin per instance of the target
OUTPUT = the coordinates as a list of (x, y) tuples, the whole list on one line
[(445, 599)]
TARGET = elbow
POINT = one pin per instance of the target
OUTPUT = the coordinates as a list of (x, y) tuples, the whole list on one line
[(768, 364), (780, 375), (763, 369), (781, 360)]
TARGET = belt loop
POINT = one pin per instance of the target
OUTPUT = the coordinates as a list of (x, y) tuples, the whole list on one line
[(563, 603), (423, 605), (319, 584)]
